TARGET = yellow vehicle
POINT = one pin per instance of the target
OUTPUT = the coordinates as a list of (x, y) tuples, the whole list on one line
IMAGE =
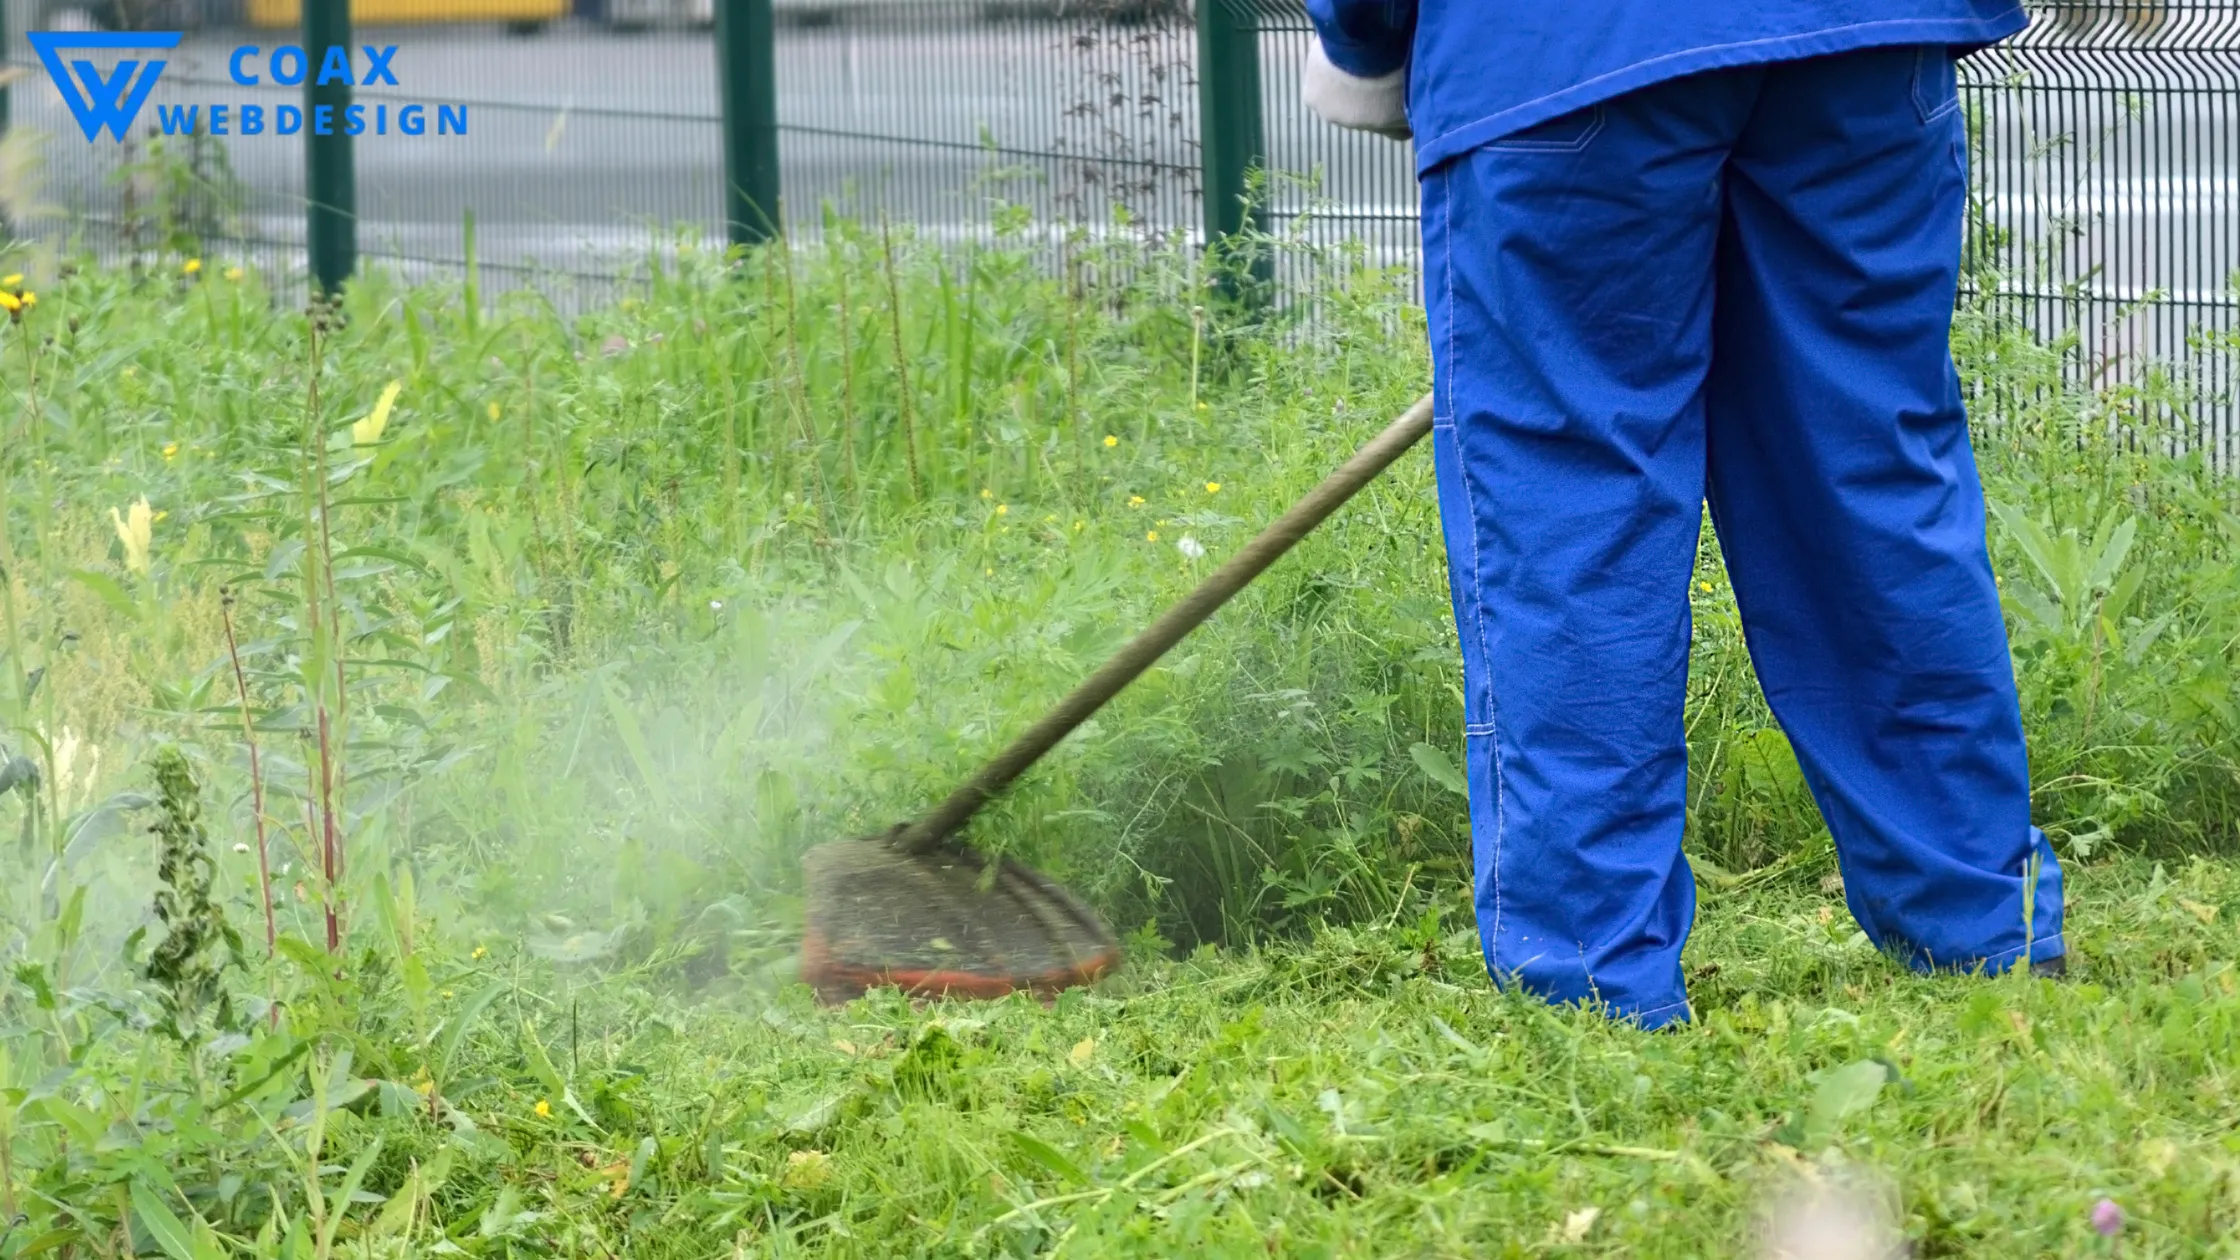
[(518, 13)]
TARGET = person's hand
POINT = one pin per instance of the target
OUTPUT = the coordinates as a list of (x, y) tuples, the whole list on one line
[(1353, 102)]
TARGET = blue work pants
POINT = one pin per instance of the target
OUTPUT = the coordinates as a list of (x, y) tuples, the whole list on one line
[(1734, 288)]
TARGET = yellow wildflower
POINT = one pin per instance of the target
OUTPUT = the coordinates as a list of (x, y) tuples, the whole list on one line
[(544, 1109), (1111, 439), (193, 265), (10, 303), (170, 451), (986, 493), (1135, 500), (1153, 536), (493, 410), (1078, 526), (1201, 406), (368, 431), (160, 517), (11, 282), (234, 274), (1706, 587), (479, 951), (1213, 487), (448, 995), (806, 1170), (1003, 509), (135, 525), (30, 299)]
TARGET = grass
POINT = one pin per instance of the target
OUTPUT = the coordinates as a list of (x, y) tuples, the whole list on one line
[(528, 684)]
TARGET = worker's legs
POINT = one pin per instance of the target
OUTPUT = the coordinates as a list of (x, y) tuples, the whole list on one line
[(1569, 280), (1849, 510), (1774, 249)]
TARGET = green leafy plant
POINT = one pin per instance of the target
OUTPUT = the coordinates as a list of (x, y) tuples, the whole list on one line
[(189, 963)]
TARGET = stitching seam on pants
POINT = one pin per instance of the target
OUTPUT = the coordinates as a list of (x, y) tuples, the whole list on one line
[(1477, 575)]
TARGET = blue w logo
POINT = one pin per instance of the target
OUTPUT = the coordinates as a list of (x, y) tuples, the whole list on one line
[(103, 102)]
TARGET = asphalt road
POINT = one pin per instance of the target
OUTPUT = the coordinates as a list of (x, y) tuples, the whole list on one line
[(581, 141)]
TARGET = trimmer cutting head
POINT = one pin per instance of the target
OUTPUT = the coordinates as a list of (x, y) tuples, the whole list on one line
[(934, 924)]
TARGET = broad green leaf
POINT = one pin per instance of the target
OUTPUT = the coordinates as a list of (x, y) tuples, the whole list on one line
[(2114, 549), (2036, 545), (2120, 595), (1439, 769), (1845, 1092), (111, 592), (170, 1233), (1049, 1157)]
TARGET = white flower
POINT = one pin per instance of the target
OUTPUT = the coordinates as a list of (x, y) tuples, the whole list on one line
[(1190, 547), (715, 605), (240, 848)]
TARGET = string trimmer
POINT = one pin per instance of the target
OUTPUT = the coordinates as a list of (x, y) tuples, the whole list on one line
[(917, 909)]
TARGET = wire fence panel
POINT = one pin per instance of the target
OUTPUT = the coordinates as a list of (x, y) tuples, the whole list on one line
[(936, 111), (2106, 147), (1330, 185), (2107, 164)]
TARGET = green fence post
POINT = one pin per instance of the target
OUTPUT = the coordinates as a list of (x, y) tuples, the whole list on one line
[(1231, 141), (747, 70), (330, 171)]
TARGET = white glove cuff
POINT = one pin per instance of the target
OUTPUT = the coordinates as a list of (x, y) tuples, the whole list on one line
[(1348, 100)]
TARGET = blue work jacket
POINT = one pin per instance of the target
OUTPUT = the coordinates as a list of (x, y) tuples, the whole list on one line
[(1484, 69)]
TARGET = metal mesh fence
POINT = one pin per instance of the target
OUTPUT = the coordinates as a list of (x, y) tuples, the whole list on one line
[(2107, 146), (2107, 165)]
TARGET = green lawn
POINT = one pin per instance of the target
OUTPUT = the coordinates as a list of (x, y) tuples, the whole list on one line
[(576, 641)]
